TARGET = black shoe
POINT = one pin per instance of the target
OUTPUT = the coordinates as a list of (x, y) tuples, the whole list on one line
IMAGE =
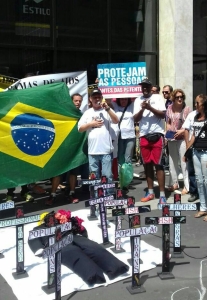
[(9, 198), (50, 200), (193, 197), (73, 198)]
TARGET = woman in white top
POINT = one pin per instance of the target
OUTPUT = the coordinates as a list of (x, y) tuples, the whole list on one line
[(124, 108), (176, 115)]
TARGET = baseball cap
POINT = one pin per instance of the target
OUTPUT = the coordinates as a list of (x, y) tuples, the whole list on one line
[(145, 81), (96, 91)]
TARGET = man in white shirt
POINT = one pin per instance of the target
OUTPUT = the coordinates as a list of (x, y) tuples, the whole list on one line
[(149, 111), (97, 122), (191, 172)]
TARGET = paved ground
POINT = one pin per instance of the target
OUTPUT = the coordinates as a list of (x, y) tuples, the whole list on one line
[(190, 272)]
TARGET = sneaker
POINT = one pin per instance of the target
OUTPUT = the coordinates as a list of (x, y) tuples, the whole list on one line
[(148, 197), (167, 172), (73, 198), (50, 200), (9, 198), (162, 200), (193, 197), (27, 197)]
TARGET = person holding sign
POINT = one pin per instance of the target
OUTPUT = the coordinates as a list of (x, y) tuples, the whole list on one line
[(97, 122), (149, 111)]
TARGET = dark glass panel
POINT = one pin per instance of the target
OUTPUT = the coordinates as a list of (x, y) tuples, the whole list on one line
[(82, 23), (25, 22), (134, 25)]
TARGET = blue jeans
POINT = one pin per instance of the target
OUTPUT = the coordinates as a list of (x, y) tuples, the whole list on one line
[(125, 150), (101, 165), (200, 165), (192, 180)]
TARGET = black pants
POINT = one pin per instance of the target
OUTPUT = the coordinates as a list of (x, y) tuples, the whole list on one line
[(23, 191)]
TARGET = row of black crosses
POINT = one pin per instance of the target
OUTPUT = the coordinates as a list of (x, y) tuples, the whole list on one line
[(97, 192)]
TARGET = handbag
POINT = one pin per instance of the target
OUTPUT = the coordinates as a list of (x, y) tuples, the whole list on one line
[(170, 135), (153, 137), (189, 152)]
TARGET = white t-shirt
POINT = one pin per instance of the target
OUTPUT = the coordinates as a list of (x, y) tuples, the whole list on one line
[(127, 123), (150, 123), (99, 139), (188, 124)]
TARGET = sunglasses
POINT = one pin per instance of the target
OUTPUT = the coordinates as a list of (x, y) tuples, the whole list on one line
[(164, 92), (178, 97)]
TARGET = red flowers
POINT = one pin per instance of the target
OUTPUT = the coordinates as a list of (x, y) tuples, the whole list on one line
[(63, 216), (80, 221)]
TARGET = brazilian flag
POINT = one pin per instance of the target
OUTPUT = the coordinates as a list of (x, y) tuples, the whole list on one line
[(39, 138)]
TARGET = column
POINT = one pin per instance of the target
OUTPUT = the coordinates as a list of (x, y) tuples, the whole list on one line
[(176, 45)]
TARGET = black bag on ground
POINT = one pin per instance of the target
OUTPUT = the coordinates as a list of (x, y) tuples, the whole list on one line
[(110, 265), (153, 137), (82, 265)]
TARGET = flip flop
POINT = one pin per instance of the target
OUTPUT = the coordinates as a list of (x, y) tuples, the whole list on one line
[(200, 214), (61, 187), (75, 201)]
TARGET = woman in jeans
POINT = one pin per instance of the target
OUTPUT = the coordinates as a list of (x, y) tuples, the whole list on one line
[(200, 153), (126, 139), (176, 115)]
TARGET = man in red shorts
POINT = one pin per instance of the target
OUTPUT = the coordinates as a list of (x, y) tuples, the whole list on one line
[(149, 111)]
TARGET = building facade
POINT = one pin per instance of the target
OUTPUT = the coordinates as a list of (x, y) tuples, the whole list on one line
[(53, 36)]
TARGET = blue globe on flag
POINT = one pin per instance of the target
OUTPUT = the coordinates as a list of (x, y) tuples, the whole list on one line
[(32, 134)]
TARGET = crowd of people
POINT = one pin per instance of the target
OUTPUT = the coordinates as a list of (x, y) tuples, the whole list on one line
[(157, 128)]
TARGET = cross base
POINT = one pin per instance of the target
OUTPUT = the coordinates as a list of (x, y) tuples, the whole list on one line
[(107, 245), (177, 255), (108, 226), (166, 275), (129, 260), (48, 290), (136, 289), (20, 275), (118, 251), (92, 218)]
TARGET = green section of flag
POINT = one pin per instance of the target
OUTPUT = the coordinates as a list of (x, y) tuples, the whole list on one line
[(23, 138)]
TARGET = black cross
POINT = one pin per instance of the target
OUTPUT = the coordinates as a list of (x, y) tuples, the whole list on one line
[(165, 221)]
